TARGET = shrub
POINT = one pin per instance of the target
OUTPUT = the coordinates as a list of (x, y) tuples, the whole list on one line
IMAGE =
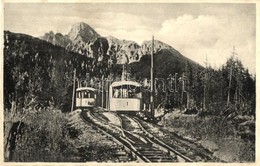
[(45, 137)]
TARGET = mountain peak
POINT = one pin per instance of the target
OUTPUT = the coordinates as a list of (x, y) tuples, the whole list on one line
[(82, 31), (80, 25)]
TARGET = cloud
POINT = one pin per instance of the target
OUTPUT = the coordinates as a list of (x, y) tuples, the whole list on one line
[(125, 21), (211, 36), (124, 26)]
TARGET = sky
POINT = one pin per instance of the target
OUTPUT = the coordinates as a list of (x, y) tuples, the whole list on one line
[(199, 31)]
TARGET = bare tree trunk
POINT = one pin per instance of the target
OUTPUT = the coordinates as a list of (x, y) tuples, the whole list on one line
[(204, 91), (229, 87)]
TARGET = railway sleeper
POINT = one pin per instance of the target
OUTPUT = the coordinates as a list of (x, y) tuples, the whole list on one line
[(136, 137), (166, 150), (163, 145), (151, 157), (156, 159), (159, 159), (152, 152), (135, 152), (130, 149)]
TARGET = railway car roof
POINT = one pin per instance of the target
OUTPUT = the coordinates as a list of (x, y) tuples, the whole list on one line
[(120, 83), (85, 88)]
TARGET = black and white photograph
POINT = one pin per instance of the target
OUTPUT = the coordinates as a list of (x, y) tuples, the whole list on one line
[(129, 82)]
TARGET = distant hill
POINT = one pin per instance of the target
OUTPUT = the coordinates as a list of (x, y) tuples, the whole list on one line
[(165, 63)]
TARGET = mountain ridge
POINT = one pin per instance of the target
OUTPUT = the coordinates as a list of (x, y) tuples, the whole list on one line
[(82, 38)]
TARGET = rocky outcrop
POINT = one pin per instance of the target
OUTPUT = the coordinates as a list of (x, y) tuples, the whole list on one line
[(82, 32), (84, 40), (125, 51), (56, 39), (80, 39)]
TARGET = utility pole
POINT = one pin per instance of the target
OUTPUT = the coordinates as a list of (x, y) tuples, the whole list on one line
[(152, 81), (102, 92), (73, 90), (107, 92), (183, 87), (175, 82)]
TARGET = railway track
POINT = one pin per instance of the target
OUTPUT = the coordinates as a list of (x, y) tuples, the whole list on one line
[(183, 146), (132, 136), (114, 132), (147, 148)]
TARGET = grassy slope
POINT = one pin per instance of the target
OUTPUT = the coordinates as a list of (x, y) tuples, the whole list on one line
[(213, 133)]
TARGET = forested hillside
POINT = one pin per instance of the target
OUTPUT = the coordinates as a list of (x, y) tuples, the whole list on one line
[(39, 71)]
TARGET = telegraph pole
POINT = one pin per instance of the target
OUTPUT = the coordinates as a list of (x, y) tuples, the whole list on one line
[(152, 81), (175, 82), (73, 90)]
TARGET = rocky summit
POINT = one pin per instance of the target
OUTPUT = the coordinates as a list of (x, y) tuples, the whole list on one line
[(83, 39), (79, 39), (82, 32)]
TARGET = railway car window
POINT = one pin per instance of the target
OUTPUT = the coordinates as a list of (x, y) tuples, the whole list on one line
[(88, 94), (82, 94), (116, 93), (85, 94), (92, 94), (134, 93), (126, 92), (78, 94)]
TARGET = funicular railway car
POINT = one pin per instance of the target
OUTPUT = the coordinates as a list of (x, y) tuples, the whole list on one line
[(85, 98), (125, 96)]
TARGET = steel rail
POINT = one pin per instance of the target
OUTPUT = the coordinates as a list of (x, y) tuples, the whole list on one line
[(162, 143), (120, 140)]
